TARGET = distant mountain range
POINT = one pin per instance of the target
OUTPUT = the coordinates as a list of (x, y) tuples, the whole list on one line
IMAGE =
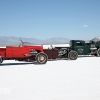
[(6, 40)]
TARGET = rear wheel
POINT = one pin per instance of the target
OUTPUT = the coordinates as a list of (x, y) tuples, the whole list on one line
[(72, 55), (1, 60), (98, 52), (41, 58)]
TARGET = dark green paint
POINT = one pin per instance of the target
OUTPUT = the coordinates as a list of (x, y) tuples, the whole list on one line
[(80, 47)]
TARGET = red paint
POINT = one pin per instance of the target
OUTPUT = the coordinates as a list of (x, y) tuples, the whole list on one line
[(11, 52)]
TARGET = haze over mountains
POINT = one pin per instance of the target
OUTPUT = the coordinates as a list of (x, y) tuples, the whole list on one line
[(6, 40)]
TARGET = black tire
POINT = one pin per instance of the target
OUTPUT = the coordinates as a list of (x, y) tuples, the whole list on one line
[(1, 60), (41, 58), (72, 55), (98, 52)]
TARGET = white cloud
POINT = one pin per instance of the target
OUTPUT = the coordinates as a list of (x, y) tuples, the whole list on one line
[(85, 25)]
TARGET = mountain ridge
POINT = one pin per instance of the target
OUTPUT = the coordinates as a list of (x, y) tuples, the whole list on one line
[(16, 40)]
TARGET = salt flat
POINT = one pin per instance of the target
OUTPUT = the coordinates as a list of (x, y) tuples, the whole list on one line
[(56, 80)]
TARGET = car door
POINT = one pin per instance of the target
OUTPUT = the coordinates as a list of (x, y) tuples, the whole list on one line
[(80, 48), (17, 52)]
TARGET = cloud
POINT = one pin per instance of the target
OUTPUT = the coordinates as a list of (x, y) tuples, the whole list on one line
[(85, 25)]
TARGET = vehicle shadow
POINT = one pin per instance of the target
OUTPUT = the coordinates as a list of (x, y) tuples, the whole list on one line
[(28, 63), (58, 59), (85, 56), (24, 63), (35, 63)]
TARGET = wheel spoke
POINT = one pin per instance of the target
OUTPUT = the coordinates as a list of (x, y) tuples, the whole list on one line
[(41, 58), (73, 55)]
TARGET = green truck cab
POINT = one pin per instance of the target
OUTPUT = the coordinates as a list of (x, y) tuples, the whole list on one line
[(80, 47)]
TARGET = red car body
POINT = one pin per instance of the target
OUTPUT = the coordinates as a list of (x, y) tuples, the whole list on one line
[(14, 52), (27, 53)]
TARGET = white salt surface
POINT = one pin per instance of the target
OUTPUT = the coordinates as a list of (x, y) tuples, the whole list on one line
[(49, 46), (55, 45), (55, 80)]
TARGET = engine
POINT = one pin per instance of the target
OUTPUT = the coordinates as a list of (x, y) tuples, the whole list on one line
[(63, 52)]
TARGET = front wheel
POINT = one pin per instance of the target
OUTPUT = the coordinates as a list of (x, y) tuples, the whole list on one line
[(41, 58), (72, 55)]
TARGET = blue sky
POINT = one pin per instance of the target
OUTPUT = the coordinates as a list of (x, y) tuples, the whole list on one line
[(43, 19)]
